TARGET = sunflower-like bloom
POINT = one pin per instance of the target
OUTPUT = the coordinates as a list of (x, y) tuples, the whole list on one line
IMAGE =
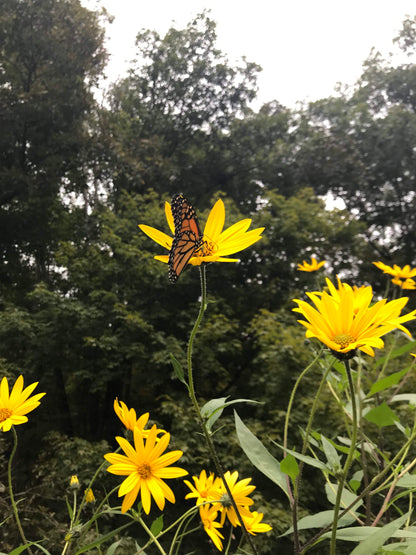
[(407, 283), (396, 271), (312, 267), (217, 244), (128, 416), (145, 467), (205, 489), (14, 405), (208, 514), (240, 491), (254, 524), (344, 320)]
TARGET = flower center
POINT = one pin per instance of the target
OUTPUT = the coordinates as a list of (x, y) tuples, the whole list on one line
[(145, 471), (343, 340), (5, 414), (208, 248)]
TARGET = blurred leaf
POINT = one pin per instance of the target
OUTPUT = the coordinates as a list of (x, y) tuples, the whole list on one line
[(305, 458), (320, 520), (157, 525), (382, 415), (213, 409), (379, 536), (334, 461), (388, 381)]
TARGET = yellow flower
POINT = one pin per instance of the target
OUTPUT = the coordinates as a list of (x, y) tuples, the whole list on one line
[(208, 515), (407, 283), (240, 492), (254, 524), (344, 324), (396, 271), (217, 244), (312, 267), (89, 496), (15, 405), (128, 416), (205, 489), (74, 482), (145, 468)]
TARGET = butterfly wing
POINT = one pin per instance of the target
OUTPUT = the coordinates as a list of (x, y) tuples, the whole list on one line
[(187, 239)]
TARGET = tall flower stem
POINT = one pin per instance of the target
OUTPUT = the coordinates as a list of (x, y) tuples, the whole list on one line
[(12, 500), (192, 395), (348, 461), (304, 448)]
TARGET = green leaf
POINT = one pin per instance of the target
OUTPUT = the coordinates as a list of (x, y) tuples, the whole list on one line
[(379, 537), (320, 520), (409, 397), (334, 461), (290, 466), (177, 367), (259, 455), (387, 382), (355, 481), (157, 526), (346, 498), (305, 458), (407, 481), (382, 415), (396, 353), (213, 409)]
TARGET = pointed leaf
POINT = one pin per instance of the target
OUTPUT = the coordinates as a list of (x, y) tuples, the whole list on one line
[(382, 415), (259, 455), (213, 409), (177, 367), (379, 537), (290, 467), (387, 382), (334, 461), (320, 520), (305, 458), (157, 526)]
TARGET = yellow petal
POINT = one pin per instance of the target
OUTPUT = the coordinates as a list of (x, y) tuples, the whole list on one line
[(215, 221), (157, 236)]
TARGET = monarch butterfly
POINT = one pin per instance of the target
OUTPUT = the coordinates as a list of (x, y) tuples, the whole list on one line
[(187, 239)]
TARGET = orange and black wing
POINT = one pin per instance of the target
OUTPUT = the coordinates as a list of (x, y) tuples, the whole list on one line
[(187, 239)]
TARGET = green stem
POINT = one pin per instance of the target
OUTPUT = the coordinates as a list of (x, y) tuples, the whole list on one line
[(192, 395), (296, 489), (152, 536), (367, 490), (349, 460), (12, 500)]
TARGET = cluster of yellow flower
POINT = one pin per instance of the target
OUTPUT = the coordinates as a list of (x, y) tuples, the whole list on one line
[(344, 321), (146, 468), (401, 276), (213, 500)]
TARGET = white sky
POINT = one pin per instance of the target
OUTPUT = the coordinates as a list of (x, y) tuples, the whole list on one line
[(304, 46)]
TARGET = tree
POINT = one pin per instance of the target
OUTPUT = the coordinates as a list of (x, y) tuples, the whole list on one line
[(51, 57), (360, 147), (167, 117)]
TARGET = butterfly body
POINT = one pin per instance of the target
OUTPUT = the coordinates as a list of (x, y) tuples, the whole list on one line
[(187, 239)]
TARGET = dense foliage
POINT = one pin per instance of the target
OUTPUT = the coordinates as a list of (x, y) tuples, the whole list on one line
[(85, 308)]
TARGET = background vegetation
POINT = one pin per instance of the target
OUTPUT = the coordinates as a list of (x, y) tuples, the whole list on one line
[(86, 310)]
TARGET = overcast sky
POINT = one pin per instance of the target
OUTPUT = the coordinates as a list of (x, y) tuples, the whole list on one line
[(304, 46)]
